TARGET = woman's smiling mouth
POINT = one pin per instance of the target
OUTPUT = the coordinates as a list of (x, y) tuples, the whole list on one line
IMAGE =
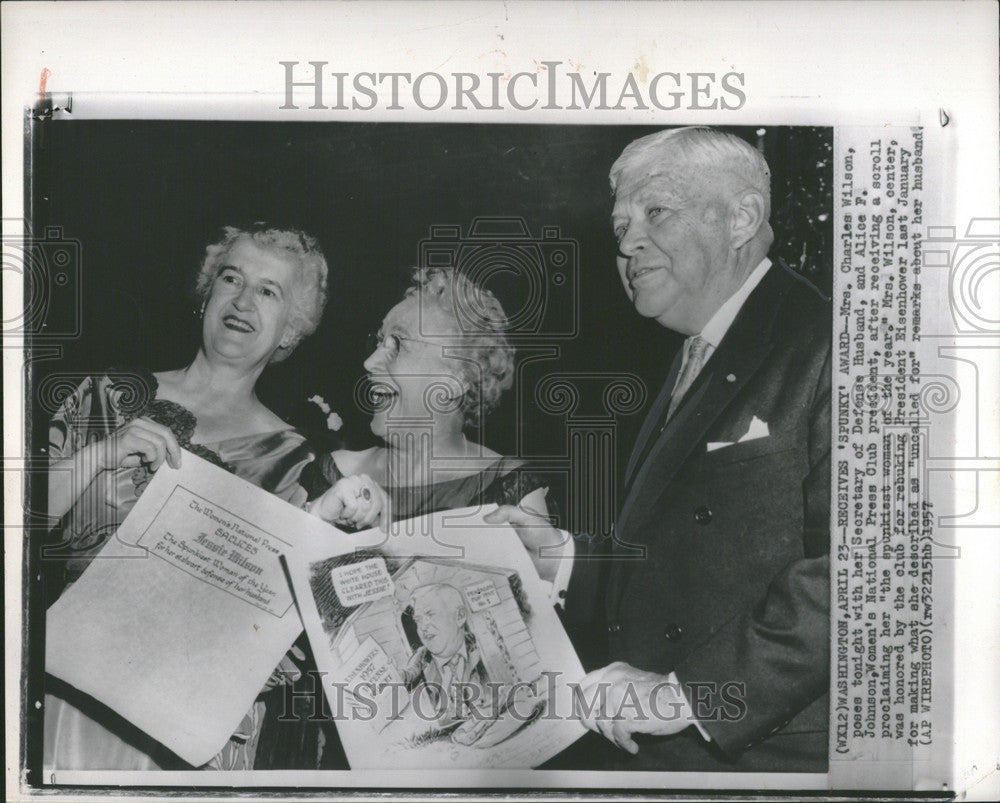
[(237, 324), (381, 394)]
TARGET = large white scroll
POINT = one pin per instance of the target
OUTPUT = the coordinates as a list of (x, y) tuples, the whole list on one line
[(438, 646), (183, 616)]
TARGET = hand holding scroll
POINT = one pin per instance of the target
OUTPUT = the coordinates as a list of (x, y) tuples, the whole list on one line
[(141, 441), (356, 501)]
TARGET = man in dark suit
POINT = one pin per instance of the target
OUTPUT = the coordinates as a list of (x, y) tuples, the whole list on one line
[(717, 599)]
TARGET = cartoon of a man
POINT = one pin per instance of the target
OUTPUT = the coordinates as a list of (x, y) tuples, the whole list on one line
[(447, 666)]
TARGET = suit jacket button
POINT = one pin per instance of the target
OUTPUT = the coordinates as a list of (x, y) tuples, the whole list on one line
[(614, 627), (703, 515), (673, 632)]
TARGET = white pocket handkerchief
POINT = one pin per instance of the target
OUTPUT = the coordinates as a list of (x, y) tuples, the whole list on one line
[(758, 429)]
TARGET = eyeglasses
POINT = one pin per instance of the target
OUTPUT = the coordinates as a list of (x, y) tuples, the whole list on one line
[(390, 343)]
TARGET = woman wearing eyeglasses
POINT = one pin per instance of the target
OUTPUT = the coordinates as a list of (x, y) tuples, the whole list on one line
[(438, 366)]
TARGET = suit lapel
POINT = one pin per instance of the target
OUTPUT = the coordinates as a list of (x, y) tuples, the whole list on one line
[(739, 356)]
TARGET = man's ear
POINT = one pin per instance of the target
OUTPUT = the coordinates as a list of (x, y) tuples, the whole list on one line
[(748, 216)]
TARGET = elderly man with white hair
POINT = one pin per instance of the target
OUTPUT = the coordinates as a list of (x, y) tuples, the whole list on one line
[(718, 593), (447, 663)]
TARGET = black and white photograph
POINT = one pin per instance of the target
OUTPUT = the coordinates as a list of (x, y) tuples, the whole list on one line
[(463, 450), (623, 294)]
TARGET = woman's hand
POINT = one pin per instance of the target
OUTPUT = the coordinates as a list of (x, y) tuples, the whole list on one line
[(357, 501), (141, 441), (138, 442)]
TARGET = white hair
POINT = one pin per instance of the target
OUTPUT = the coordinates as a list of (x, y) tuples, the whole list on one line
[(445, 592), (488, 364), (308, 292), (700, 145)]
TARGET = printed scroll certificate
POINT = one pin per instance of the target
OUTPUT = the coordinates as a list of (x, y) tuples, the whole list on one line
[(438, 646), (183, 616)]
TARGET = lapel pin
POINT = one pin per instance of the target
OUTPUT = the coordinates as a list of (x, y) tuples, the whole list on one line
[(730, 377)]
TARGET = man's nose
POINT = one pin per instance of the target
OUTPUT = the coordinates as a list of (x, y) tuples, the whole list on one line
[(633, 240)]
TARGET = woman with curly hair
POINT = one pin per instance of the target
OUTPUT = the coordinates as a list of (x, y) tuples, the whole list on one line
[(438, 366), (260, 291)]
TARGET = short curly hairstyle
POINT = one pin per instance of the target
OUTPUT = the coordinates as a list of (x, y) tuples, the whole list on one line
[(481, 324), (309, 292)]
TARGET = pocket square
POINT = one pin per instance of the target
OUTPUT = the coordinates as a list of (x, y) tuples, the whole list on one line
[(757, 430)]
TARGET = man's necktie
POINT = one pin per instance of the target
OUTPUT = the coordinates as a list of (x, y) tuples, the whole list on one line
[(697, 354), (452, 671)]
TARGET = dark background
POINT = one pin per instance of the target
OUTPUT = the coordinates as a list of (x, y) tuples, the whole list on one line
[(122, 211), (143, 198)]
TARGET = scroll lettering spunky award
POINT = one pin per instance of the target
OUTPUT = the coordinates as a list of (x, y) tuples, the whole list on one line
[(181, 619), (183, 616)]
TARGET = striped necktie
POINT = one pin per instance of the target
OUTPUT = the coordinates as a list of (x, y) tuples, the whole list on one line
[(696, 356), (452, 671)]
